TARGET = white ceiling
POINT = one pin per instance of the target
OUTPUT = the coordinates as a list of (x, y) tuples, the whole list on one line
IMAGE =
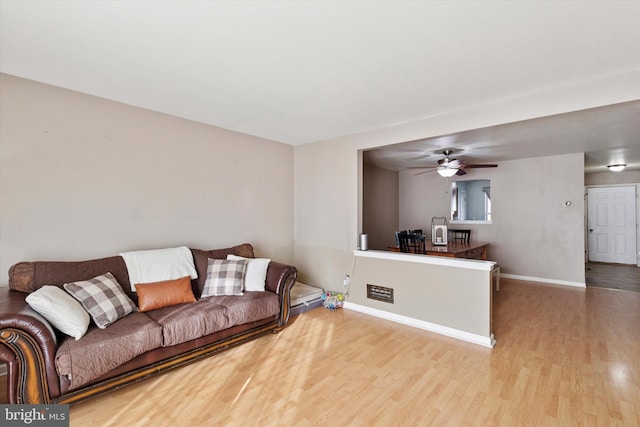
[(305, 71), (607, 135)]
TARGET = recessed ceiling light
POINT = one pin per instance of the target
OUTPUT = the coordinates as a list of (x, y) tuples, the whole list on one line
[(616, 168)]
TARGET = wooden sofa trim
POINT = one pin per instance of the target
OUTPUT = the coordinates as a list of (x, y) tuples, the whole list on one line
[(30, 373)]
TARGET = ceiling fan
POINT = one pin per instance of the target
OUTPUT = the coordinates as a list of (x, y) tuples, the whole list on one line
[(448, 166)]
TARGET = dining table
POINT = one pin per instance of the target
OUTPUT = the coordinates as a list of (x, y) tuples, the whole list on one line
[(454, 249)]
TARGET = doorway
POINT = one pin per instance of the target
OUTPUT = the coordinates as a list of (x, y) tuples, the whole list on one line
[(613, 276), (612, 238)]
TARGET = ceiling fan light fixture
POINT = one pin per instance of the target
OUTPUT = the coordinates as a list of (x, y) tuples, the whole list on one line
[(615, 168), (447, 172)]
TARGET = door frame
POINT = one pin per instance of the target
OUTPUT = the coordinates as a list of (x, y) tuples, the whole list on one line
[(586, 217), (462, 205)]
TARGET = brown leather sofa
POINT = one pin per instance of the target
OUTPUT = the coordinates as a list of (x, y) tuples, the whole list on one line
[(29, 344)]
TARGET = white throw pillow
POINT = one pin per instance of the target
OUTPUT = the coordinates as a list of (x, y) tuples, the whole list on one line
[(256, 274), (61, 310)]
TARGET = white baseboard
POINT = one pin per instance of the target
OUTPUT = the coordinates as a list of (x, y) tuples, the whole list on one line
[(543, 280), (421, 324)]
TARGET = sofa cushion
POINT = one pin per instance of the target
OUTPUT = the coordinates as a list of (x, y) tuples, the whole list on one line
[(185, 322), (102, 350), (225, 277), (164, 294), (61, 310), (249, 307), (256, 275), (103, 298), (201, 260)]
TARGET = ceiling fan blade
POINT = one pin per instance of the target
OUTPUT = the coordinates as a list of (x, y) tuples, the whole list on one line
[(451, 165), (479, 166)]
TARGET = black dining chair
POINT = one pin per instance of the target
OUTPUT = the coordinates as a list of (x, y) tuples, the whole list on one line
[(459, 235), (412, 243)]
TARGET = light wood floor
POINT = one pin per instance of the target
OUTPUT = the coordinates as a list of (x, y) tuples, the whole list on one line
[(564, 356)]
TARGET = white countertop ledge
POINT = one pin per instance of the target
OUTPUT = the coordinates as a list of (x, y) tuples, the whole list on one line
[(471, 264)]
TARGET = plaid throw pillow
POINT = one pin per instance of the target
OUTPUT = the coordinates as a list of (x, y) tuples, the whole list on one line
[(103, 298), (224, 277)]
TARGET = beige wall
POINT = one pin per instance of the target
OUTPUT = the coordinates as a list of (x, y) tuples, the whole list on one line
[(612, 178), (421, 198), (528, 206), (327, 178), (380, 202), (450, 293), (533, 232), (540, 236), (326, 226), (83, 177)]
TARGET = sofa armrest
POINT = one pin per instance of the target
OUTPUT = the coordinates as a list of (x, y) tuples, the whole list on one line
[(280, 279), (28, 346), (279, 275)]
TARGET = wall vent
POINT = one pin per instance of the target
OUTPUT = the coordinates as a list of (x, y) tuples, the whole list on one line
[(380, 293)]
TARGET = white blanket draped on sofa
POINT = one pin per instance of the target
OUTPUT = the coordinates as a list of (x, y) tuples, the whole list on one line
[(159, 264)]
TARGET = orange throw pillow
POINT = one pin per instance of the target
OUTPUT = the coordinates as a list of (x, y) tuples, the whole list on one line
[(164, 294)]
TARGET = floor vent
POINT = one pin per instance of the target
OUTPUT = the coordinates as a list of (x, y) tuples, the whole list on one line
[(380, 293)]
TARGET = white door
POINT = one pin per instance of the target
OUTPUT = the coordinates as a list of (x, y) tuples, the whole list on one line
[(611, 213)]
